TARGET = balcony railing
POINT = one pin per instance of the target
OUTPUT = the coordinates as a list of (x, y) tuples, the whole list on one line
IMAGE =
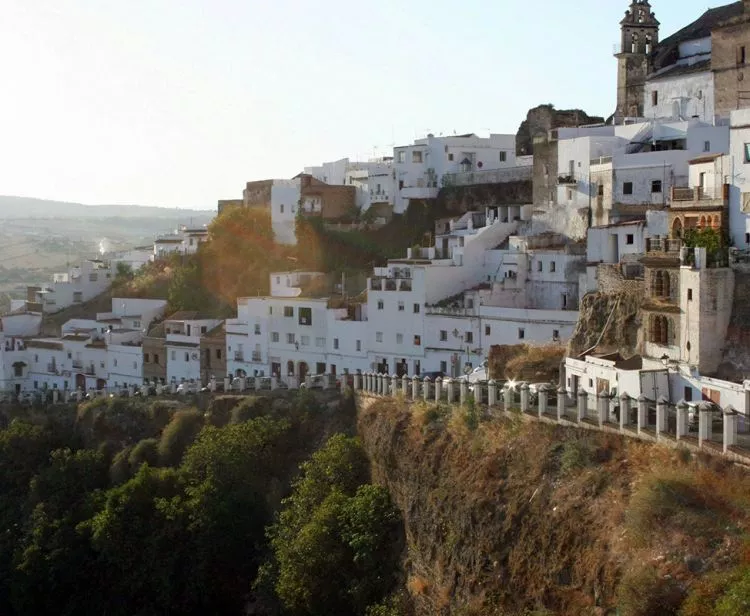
[(90, 370), (256, 356), (77, 364), (52, 368), (567, 180), (682, 195), (663, 245), (239, 356)]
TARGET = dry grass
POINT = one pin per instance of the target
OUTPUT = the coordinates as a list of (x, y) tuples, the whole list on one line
[(526, 363), (417, 585)]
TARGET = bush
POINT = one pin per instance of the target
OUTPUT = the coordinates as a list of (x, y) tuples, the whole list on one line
[(736, 599), (576, 455), (251, 407), (146, 451), (643, 593), (119, 471), (706, 591), (178, 436), (674, 502)]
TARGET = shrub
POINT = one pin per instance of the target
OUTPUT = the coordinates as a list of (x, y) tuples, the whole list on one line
[(119, 471), (736, 599), (671, 502), (178, 436), (250, 408), (575, 455), (643, 593), (146, 451), (706, 591)]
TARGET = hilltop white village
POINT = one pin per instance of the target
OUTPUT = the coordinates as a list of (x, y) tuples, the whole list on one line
[(609, 208)]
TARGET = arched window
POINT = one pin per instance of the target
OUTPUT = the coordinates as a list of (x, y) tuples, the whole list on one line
[(634, 43), (290, 368), (662, 330), (660, 284), (648, 44), (702, 223), (677, 229)]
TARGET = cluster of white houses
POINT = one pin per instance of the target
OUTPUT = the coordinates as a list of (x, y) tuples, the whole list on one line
[(613, 208)]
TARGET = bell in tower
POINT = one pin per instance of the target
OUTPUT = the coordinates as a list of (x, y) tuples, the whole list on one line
[(639, 37)]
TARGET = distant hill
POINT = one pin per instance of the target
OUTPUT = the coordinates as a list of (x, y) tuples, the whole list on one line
[(27, 207)]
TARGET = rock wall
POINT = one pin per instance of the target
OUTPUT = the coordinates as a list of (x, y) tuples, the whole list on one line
[(622, 329), (735, 365), (462, 199)]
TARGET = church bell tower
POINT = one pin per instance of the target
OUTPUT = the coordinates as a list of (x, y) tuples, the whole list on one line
[(640, 35)]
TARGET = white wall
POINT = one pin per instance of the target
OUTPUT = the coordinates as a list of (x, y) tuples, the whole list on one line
[(739, 178), (285, 197), (681, 97), (125, 365)]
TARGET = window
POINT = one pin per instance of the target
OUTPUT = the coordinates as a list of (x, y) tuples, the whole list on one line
[(741, 55), (381, 304), (257, 329), (747, 238), (401, 156), (146, 358), (569, 194), (450, 156), (156, 359), (204, 330), (416, 156), (627, 188), (443, 335), (77, 297), (320, 342), (274, 336), (401, 306), (470, 303), (539, 266), (600, 190), (552, 266), (706, 146), (305, 341), (662, 330), (378, 336), (289, 311), (655, 98), (135, 365), (487, 330), (417, 340), (281, 208), (18, 370), (174, 355), (336, 343), (521, 333), (443, 367), (399, 339), (555, 334), (218, 353), (290, 339), (416, 308), (36, 359), (656, 186), (400, 184), (305, 316), (270, 310), (747, 153), (687, 394), (114, 363), (469, 337), (690, 295), (187, 356), (503, 157), (629, 239), (359, 345)]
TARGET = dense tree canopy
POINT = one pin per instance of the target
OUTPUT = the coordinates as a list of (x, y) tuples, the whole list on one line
[(125, 507)]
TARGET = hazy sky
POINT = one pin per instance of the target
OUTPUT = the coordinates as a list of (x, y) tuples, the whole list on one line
[(179, 102)]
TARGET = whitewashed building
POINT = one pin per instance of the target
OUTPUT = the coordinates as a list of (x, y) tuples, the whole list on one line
[(79, 284), (419, 168), (182, 346)]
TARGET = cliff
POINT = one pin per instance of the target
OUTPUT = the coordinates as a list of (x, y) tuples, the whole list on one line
[(607, 322), (516, 517), (545, 117)]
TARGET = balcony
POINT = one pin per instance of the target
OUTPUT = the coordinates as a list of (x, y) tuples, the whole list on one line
[(239, 356), (663, 245), (491, 176), (256, 356), (700, 197), (90, 371), (567, 180), (77, 364), (405, 285), (419, 192), (52, 368)]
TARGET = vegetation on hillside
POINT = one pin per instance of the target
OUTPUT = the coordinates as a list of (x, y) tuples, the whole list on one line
[(130, 507), (516, 518)]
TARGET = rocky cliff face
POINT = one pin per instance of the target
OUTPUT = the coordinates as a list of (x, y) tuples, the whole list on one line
[(545, 117), (517, 517), (607, 322), (736, 361)]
